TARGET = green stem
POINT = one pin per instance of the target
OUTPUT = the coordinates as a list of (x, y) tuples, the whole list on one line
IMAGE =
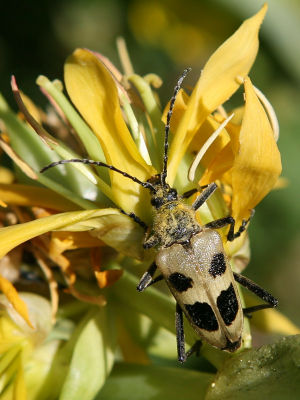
[(135, 131), (154, 112)]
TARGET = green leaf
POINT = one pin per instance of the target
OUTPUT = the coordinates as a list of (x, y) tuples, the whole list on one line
[(31, 149), (270, 372), (140, 382), (92, 356)]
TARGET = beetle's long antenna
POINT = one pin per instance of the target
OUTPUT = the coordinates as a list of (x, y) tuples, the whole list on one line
[(146, 185), (163, 175)]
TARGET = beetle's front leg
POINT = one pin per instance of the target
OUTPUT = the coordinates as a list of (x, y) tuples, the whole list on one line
[(151, 241), (147, 278), (220, 223)]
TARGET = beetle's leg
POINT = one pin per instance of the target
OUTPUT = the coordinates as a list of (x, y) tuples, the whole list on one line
[(201, 199), (194, 349), (258, 291), (135, 218), (147, 278), (182, 355), (180, 334), (155, 280), (220, 223), (151, 241), (189, 193)]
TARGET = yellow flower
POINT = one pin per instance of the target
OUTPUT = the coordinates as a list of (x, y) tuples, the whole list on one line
[(74, 216), (244, 158), (239, 159), (18, 343)]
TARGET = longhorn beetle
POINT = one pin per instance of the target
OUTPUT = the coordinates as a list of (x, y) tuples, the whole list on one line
[(191, 259)]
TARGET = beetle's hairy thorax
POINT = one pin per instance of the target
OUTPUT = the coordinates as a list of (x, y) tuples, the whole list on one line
[(174, 222)]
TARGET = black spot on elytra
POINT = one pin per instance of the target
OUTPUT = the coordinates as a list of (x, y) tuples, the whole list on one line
[(180, 282), (217, 265), (202, 315), (228, 305)]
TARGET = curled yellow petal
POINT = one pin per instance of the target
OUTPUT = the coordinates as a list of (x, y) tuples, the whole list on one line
[(209, 126), (108, 278), (118, 231), (206, 146), (99, 300), (17, 160), (74, 240), (32, 108), (12, 236), (94, 93), (216, 84), (7, 288), (26, 195), (221, 163), (257, 164)]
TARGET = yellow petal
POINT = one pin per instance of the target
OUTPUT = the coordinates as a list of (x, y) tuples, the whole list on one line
[(222, 159), (99, 300), (108, 278), (216, 84), (3, 204), (221, 163), (32, 108), (75, 240), (17, 160), (270, 320), (281, 183), (26, 195), (178, 110), (94, 93), (209, 126), (12, 236), (118, 231), (12, 295), (6, 175), (257, 164)]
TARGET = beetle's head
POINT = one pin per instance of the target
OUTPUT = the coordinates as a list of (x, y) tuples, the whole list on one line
[(161, 194)]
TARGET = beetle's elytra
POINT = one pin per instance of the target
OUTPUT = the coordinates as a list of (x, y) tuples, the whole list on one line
[(191, 259)]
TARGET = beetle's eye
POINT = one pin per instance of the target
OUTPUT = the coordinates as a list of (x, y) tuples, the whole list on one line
[(157, 201), (172, 195)]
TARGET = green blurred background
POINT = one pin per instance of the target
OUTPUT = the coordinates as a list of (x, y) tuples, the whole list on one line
[(164, 37)]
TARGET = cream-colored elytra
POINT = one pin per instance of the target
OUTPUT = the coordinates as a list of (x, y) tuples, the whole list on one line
[(194, 262)]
